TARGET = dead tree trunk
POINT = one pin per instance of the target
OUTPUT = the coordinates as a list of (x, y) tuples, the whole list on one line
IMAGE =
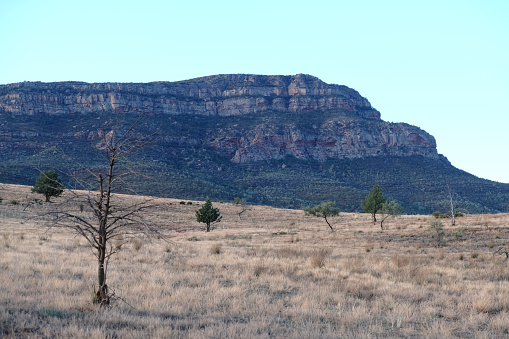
[(108, 219), (102, 296), (453, 217)]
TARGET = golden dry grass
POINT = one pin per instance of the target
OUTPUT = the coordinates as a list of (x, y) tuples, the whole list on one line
[(272, 274)]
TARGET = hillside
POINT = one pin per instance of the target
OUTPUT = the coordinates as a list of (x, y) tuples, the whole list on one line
[(285, 141)]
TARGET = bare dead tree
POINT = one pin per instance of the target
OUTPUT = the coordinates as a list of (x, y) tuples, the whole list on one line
[(107, 217), (453, 217), (242, 205)]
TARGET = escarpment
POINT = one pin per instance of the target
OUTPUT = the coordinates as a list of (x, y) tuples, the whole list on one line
[(256, 117)]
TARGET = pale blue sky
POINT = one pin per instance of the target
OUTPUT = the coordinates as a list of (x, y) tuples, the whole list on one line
[(441, 65)]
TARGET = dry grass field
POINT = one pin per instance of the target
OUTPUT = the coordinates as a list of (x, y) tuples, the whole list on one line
[(272, 274)]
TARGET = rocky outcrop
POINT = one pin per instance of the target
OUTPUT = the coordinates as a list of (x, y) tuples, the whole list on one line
[(334, 140), (334, 121)]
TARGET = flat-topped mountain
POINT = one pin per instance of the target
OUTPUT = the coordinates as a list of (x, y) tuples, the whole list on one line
[(280, 140), (304, 104)]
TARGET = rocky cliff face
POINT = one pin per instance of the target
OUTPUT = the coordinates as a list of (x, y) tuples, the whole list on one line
[(333, 140), (222, 95), (309, 119)]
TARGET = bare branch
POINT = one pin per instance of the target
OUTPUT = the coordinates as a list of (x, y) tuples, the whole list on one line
[(107, 216)]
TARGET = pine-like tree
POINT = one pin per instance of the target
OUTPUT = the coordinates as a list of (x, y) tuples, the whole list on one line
[(208, 214), (48, 184)]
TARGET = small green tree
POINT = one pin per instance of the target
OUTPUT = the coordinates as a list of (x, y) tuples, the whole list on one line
[(374, 202), (324, 210), (208, 214), (389, 209), (48, 184)]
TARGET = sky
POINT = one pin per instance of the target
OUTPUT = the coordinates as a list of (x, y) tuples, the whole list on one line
[(440, 65)]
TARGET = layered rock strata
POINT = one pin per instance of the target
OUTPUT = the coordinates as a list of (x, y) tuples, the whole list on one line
[(362, 134)]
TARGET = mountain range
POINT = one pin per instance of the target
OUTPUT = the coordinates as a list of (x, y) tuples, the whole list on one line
[(285, 141)]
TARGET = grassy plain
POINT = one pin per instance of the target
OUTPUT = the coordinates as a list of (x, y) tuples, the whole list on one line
[(272, 274)]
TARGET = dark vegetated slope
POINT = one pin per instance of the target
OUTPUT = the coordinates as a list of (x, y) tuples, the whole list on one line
[(188, 169)]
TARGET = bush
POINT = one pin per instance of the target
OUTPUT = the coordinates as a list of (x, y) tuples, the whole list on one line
[(447, 215), (259, 269), (319, 257), (437, 230), (459, 233), (182, 202), (137, 244), (215, 249)]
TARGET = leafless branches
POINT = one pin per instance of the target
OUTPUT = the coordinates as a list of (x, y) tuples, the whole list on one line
[(107, 216)]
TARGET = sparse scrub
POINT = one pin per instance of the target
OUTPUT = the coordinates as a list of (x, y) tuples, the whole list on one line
[(260, 285)]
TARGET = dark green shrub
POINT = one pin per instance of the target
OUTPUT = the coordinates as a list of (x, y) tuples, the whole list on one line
[(49, 185), (208, 214)]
